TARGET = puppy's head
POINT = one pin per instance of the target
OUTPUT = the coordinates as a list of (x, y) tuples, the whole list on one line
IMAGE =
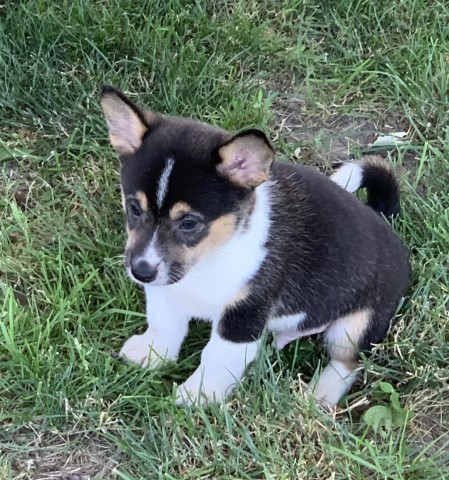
[(187, 187)]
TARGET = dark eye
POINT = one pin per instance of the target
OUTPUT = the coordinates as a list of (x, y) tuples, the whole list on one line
[(135, 209), (188, 224)]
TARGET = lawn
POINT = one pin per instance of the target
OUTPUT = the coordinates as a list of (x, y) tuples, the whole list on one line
[(323, 79)]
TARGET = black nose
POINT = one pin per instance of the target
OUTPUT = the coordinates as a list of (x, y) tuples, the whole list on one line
[(143, 271)]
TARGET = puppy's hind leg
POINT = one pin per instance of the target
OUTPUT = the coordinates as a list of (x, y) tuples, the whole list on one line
[(344, 339)]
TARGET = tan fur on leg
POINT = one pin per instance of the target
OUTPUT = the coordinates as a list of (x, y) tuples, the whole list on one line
[(342, 339)]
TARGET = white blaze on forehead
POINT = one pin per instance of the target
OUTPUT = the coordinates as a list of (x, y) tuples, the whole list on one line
[(163, 182)]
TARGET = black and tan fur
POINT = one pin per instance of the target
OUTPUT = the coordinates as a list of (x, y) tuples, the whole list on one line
[(328, 259)]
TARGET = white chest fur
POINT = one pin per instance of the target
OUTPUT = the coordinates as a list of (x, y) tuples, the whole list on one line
[(218, 277)]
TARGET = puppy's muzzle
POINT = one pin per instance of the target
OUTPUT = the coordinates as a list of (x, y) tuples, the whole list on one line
[(144, 272)]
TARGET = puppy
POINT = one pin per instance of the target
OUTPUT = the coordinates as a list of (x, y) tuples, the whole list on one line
[(218, 230)]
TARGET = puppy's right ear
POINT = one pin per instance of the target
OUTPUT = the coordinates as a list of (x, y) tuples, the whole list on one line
[(127, 123)]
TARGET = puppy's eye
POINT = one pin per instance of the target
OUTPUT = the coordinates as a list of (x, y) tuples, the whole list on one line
[(188, 224), (134, 209)]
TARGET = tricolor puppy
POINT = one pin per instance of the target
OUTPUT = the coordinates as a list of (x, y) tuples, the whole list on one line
[(219, 231)]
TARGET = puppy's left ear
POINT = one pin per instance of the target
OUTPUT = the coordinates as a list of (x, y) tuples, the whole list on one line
[(246, 158)]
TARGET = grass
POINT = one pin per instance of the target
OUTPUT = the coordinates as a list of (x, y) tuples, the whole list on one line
[(312, 74)]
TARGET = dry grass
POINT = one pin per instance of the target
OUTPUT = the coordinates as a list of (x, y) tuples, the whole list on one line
[(73, 455)]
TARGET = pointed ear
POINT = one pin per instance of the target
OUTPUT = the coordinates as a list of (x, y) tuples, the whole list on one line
[(126, 122), (246, 159)]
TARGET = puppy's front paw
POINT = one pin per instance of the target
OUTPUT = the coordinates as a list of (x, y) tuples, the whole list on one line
[(189, 396), (146, 349), (201, 389)]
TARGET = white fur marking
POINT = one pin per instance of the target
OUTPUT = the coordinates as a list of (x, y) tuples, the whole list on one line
[(283, 338), (286, 322), (349, 176), (163, 182), (220, 274), (152, 256), (287, 328), (167, 328), (204, 293), (335, 380), (223, 364)]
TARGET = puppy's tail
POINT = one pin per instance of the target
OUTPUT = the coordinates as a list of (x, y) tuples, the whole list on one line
[(383, 194)]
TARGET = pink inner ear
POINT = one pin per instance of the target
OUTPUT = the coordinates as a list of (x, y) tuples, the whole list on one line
[(244, 165), (126, 131), (246, 161), (238, 163), (126, 128)]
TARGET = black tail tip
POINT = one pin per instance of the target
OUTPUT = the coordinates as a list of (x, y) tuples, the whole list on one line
[(383, 193)]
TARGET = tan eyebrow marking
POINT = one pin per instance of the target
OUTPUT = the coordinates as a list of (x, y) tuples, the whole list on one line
[(142, 200), (139, 196), (178, 209)]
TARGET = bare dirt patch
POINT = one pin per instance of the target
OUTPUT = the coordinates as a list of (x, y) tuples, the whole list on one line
[(327, 138), (54, 455), (429, 426)]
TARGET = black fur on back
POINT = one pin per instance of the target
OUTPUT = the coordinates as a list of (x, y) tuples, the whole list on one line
[(328, 255)]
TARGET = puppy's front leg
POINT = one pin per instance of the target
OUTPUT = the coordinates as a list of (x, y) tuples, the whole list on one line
[(233, 345), (222, 366), (167, 328)]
